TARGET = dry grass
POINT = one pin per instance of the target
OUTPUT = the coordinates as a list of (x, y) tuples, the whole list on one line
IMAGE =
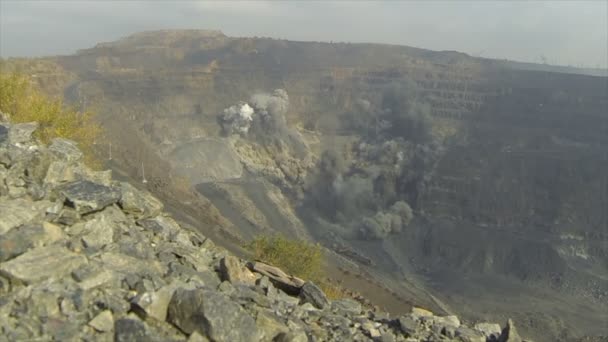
[(22, 101), (299, 258), (296, 257)]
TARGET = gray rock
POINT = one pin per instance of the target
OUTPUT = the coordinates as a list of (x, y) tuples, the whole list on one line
[(408, 325), (418, 313), (3, 134), (469, 335), (490, 330), (17, 212), (125, 264), (98, 232), (245, 295), (92, 275), (3, 175), (65, 149), (346, 305), (197, 337), (291, 336), (311, 293), (19, 240), (86, 196), (67, 216), (226, 287), (232, 271), (387, 337), (101, 177), (445, 321), (42, 263), (370, 329), (22, 133), (104, 321), (509, 333), (60, 172), (130, 330), (269, 326), (280, 279), (154, 304), (162, 226), (210, 313), (267, 288), (138, 203)]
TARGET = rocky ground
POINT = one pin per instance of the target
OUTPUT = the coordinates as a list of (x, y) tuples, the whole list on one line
[(83, 257)]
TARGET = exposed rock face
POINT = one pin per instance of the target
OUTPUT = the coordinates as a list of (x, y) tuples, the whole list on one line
[(82, 260)]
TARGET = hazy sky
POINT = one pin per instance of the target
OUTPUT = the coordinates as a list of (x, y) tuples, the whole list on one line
[(565, 32)]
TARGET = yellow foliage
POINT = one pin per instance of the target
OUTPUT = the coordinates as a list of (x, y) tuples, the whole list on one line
[(296, 257), (332, 290), (22, 101)]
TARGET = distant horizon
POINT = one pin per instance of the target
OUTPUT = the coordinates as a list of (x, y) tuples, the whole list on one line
[(590, 68), (560, 33)]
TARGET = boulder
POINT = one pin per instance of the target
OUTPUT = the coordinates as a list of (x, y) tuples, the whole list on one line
[(509, 333), (232, 271), (22, 133), (490, 330), (91, 275), (66, 150), (291, 336), (86, 196), (138, 203), (212, 314), (408, 325), (196, 337), (125, 264), (154, 304), (311, 293), (131, 329), (19, 240), (280, 279), (269, 326), (59, 172), (466, 334), (103, 322), (3, 134), (163, 227), (42, 263), (420, 312), (98, 232), (17, 212)]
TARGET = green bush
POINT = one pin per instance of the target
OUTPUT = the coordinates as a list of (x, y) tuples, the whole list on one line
[(22, 101)]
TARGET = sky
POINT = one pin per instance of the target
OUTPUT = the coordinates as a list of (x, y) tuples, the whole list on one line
[(562, 32)]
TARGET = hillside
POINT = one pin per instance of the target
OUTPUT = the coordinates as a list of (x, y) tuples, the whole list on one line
[(503, 169), (88, 258)]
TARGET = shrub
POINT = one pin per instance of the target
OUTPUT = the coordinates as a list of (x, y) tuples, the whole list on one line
[(24, 102), (296, 257)]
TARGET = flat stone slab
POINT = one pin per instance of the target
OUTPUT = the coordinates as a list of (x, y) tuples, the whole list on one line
[(14, 213), (65, 149), (139, 203), (125, 264), (21, 133), (282, 280), (211, 313), (86, 196), (42, 263)]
